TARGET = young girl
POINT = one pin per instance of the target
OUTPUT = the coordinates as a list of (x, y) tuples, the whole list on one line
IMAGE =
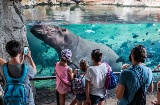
[(79, 73), (64, 75)]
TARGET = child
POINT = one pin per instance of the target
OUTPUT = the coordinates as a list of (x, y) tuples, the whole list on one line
[(80, 98), (64, 75)]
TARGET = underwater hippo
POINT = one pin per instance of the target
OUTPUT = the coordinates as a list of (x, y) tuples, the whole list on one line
[(81, 48)]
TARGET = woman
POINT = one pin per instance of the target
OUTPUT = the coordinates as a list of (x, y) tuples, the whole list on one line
[(95, 80), (130, 79)]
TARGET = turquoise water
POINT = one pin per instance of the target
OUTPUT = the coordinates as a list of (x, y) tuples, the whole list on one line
[(120, 37), (120, 28)]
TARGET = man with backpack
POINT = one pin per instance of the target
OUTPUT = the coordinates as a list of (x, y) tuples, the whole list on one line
[(135, 80), (16, 74)]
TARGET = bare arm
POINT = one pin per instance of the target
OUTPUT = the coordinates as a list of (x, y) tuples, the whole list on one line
[(75, 73), (157, 68), (125, 66), (2, 61), (70, 74), (87, 83), (151, 87), (31, 62), (54, 71), (119, 91), (87, 88)]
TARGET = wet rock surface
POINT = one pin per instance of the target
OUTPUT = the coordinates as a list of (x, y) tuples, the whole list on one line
[(12, 24)]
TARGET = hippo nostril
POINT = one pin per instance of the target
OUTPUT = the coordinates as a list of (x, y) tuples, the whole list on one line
[(56, 27), (38, 22)]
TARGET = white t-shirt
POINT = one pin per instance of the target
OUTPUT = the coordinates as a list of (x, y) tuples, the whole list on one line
[(97, 76)]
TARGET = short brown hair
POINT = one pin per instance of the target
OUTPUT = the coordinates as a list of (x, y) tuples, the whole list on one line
[(96, 55), (139, 53), (13, 47)]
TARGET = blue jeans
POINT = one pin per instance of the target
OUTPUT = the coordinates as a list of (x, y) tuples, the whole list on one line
[(96, 99)]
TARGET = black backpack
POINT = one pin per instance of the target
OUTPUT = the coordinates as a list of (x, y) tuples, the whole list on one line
[(140, 95)]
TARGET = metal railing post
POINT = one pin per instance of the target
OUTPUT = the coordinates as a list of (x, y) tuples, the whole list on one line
[(57, 97)]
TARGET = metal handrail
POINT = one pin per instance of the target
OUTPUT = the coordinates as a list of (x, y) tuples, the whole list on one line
[(54, 77), (43, 77)]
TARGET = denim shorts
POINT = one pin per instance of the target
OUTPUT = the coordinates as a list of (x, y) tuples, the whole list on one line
[(81, 97), (96, 99)]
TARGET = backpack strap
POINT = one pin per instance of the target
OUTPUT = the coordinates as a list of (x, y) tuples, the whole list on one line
[(84, 75), (141, 77), (107, 66), (15, 80), (138, 78), (63, 81), (25, 70)]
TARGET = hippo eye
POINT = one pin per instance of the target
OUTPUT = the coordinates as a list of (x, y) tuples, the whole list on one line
[(56, 27), (63, 29)]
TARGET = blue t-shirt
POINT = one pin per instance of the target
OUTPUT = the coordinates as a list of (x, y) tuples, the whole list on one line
[(130, 80)]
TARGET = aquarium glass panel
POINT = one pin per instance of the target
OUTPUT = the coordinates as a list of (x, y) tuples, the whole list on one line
[(119, 28)]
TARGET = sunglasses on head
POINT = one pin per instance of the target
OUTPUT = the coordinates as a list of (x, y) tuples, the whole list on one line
[(96, 50)]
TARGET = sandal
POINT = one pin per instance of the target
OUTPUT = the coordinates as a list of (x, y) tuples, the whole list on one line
[(155, 103)]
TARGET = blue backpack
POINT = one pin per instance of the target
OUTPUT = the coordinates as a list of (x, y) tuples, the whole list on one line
[(111, 79), (14, 90)]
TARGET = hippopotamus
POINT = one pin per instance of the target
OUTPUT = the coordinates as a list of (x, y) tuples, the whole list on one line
[(60, 38)]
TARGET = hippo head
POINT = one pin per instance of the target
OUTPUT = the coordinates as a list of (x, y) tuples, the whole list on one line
[(53, 36)]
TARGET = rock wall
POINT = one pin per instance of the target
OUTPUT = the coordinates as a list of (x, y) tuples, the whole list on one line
[(12, 24)]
